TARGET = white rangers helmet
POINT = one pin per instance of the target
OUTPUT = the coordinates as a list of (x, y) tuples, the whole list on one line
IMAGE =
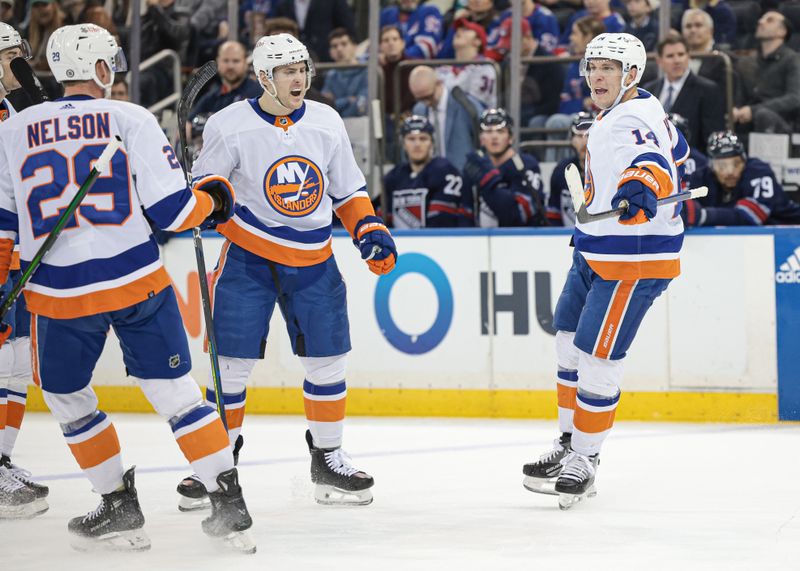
[(73, 52), (281, 49), (624, 48)]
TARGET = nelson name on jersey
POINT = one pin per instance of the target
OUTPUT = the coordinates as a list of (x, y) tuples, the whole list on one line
[(74, 127)]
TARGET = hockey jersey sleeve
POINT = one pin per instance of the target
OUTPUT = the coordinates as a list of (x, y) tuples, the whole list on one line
[(639, 155), (9, 224), (450, 200), (347, 187), (160, 183), (424, 33)]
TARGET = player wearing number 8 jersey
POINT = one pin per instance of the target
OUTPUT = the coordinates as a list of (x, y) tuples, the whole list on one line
[(619, 266), (104, 271)]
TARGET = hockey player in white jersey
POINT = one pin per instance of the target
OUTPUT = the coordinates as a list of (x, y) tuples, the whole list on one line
[(104, 271), (619, 266), (20, 496), (291, 163)]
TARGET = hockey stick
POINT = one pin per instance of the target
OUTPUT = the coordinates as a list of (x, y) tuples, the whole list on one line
[(100, 166), (28, 81), (193, 87), (575, 185)]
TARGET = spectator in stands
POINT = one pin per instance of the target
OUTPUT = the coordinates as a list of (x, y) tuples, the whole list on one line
[(742, 191), (478, 80), (255, 13), (772, 94), (698, 30), (453, 113), (542, 24), (427, 191), (483, 13), (390, 53), (421, 27), (164, 27), (346, 87), (317, 19), (235, 84), (575, 95), (45, 18), (7, 13), (723, 17), (541, 82), (209, 26), (119, 89), (696, 159), (560, 211), (598, 10), (697, 99), (643, 21), (508, 184)]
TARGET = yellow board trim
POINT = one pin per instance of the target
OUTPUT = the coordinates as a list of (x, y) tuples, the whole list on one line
[(653, 406)]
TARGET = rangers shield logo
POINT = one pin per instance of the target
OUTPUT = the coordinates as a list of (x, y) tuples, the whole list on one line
[(294, 186)]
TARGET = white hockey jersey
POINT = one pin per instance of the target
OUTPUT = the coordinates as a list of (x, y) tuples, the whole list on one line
[(634, 139), (289, 174), (106, 258), (480, 81)]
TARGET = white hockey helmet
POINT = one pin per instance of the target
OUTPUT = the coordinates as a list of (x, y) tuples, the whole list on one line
[(10, 38), (624, 48), (281, 49), (73, 52)]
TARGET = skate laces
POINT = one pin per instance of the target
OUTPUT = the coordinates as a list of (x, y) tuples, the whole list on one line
[(338, 461), (552, 455), (96, 513), (8, 483), (577, 467)]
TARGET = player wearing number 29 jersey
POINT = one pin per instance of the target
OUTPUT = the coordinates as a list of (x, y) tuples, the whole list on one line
[(104, 272)]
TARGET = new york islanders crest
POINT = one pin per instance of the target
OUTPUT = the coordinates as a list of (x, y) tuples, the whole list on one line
[(294, 186)]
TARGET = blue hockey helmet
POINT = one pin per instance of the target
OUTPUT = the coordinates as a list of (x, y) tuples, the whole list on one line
[(724, 144), (495, 118), (416, 124), (581, 122)]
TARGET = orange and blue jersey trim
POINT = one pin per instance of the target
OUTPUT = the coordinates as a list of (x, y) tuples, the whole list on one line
[(353, 208), (631, 257), (280, 121)]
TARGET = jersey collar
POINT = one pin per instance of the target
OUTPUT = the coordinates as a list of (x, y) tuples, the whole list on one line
[(80, 97), (282, 121)]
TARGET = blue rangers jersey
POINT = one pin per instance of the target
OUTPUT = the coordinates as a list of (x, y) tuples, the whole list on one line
[(422, 29), (560, 211), (435, 197)]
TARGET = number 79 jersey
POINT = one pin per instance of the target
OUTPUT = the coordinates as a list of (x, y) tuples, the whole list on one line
[(632, 141), (106, 258)]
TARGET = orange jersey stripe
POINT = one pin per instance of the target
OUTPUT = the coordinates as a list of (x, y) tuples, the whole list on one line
[(567, 396), (202, 209), (14, 413), (651, 269), (3, 415), (15, 260), (204, 441), (354, 210), (593, 422), (99, 301), (613, 321), (97, 449), (272, 251), (6, 253), (325, 411)]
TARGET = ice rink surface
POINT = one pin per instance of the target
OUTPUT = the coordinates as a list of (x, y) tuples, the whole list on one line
[(448, 495)]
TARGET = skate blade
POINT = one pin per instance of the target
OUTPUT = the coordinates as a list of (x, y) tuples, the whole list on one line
[(25, 511), (132, 540), (239, 541), (566, 501), (193, 504), (333, 496), (540, 485)]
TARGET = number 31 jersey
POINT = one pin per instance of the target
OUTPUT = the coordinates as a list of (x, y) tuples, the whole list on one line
[(106, 258)]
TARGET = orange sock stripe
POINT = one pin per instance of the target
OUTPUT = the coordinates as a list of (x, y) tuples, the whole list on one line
[(34, 354), (593, 422), (96, 450), (325, 410), (235, 417), (567, 396), (14, 413), (204, 441), (613, 321), (3, 415)]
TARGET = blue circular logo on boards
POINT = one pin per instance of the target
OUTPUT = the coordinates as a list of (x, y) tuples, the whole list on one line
[(430, 270)]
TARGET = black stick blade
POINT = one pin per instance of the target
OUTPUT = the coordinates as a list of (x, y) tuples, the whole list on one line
[(28, 81)]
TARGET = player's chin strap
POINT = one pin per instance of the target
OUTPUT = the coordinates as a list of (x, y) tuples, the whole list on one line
[(622, 91)]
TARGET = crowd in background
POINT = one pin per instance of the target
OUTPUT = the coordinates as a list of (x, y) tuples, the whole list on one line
[(448, 102)]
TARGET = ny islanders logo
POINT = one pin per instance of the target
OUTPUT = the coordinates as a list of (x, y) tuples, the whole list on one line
[(294, 186)]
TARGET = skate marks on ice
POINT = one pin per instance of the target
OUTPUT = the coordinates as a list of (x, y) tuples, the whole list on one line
[(448, 495)]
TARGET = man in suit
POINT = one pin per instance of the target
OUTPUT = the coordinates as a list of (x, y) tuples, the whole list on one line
[(317, 19), (453, 113), (698, 30), (681, 91)]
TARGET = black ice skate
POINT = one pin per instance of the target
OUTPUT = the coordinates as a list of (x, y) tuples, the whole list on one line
[(540, 476), (576, 480), (116, 525), (192, 492), (17, 501), (229, 519), (24, 476), (337, 481)]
